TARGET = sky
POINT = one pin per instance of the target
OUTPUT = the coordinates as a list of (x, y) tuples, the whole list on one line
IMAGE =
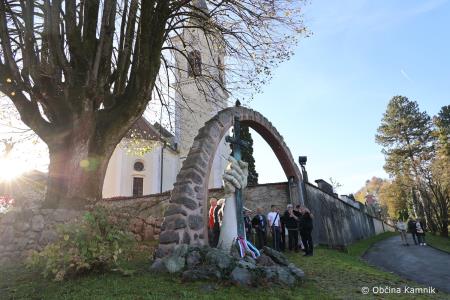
[(329, 99)]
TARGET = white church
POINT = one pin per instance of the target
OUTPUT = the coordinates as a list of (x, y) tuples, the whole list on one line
[(199, 95)]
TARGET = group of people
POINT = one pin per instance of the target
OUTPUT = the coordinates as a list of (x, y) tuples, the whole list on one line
[(416, 228), (296, 222)]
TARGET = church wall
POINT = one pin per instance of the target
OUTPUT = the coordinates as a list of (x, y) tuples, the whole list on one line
[(170, 170), (111, 183), (120, 172)]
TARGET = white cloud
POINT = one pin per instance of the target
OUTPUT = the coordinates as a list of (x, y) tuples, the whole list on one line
[(405, 75)]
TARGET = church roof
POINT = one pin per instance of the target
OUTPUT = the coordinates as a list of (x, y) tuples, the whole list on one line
[(164, 132), (142, 129)]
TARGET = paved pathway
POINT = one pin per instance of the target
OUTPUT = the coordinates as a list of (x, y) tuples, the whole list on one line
[(422, 264)]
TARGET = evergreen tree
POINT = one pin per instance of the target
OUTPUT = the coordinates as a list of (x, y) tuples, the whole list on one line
[(247, 155), (406, 136), (416, 152)]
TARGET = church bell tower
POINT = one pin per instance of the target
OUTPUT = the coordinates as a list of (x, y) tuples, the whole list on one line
[(199, 86)]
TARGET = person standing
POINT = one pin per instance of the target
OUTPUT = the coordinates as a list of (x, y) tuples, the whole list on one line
[(283, 233), (412, 229), (259, 222), (420, 229), (401, 227), (306, 227), (248, 226), (218, 217), (298, 214), (291, 221), (213, 204), (275, 226)]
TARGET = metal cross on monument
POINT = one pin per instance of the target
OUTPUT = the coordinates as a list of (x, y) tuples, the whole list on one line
[(237, 144)]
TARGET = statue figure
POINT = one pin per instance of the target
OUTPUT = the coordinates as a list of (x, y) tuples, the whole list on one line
[(235, 177)]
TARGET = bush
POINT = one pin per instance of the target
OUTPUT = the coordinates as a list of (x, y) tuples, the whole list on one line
[(6, 202), (99, 243)]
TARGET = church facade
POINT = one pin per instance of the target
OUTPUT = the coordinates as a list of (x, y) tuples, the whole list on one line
[(199, 95)]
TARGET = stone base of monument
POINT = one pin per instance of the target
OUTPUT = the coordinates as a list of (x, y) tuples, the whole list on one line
[(193, 263)]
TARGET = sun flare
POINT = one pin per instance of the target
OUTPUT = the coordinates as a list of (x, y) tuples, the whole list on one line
[(10, 169)]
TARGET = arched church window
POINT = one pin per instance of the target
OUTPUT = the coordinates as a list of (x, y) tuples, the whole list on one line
[(138, 166), (194, 63)]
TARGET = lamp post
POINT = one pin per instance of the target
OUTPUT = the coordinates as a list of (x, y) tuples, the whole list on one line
[(302, 161)]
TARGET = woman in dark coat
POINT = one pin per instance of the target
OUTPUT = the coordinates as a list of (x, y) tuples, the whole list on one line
[(306, 227)]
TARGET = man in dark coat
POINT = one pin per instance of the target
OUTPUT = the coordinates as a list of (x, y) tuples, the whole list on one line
[(298, 214), (291, 221), (259, 222), (282, 233), (248, 226), (306, 227), (412, 229)]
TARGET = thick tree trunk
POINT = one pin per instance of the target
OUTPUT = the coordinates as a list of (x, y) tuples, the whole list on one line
[(76, 172)]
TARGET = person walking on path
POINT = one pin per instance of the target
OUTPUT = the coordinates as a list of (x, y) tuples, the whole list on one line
[(259, 222), (412, 229), (306, 227), (275, 226), (420, 229), (291, 221), (401, 227)]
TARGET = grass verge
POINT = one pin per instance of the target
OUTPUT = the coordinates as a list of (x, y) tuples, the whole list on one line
[(330, 274), (439, 242), (359, 248)]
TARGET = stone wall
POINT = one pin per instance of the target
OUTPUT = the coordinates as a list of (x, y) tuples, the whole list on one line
[(336, 223), (143, 214), (22, 230), (30, 229), (262, 195)]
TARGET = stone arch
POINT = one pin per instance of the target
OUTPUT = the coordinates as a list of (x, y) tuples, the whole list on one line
[(184, 221)]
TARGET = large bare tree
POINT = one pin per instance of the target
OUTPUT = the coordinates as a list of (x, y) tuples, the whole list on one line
[(81, 72)]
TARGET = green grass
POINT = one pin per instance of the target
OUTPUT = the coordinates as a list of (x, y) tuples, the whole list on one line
[(357, 249), (442, 243), (330, 274)]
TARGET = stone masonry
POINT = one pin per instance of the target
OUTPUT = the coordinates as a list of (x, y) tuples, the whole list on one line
[(22, 229), (30, 229), (185, 215)]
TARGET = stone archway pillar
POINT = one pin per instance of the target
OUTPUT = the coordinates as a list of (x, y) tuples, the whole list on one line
[(184, 221)]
